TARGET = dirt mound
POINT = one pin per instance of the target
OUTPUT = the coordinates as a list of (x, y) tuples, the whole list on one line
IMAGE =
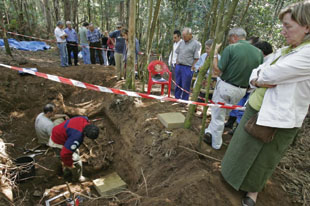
[(154, 162)]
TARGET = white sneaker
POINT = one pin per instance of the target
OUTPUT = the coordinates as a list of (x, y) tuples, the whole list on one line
[(83, 179)]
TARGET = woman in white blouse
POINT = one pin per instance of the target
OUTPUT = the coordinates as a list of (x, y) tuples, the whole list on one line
[(282, 98)]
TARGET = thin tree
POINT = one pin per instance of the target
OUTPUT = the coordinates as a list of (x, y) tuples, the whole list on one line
[(5, 39), (150, 40), (47, 13), (131, 52), (205, 67)]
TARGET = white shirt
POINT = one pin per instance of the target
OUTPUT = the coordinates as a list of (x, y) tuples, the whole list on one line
[(286, 105), (43, 126), (59, 33), (173, 55)]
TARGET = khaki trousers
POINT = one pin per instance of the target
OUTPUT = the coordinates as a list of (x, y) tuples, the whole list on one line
[(119, 63)]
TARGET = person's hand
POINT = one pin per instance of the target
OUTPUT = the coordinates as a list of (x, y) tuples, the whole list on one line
[(193, 68)]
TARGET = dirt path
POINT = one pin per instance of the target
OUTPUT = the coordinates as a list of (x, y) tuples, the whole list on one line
[(151, 159)]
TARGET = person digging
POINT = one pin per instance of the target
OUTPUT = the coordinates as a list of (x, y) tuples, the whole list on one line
[(67, 137)]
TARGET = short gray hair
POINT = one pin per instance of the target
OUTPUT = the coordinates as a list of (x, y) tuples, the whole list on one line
[(209, 42), (59, 23), (68, 22), (238, 31), (187, 30)]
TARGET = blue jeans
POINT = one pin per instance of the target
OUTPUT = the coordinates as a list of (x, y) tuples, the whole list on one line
[(183, 78), (105, 57), (85, 53), (63, 53)]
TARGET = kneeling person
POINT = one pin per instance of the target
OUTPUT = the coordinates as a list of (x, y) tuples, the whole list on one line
[(68, 136), (45, 122)]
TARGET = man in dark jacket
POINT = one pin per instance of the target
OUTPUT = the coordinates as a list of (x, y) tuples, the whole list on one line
[(68, 136)]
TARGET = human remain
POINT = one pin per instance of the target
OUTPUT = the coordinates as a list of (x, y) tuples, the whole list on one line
[(45, 122), (188, 53), (281, 100), (61, 36), (237, 61), (68, 137)]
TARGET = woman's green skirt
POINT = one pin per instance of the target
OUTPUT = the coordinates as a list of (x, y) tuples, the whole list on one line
[(248, 162)]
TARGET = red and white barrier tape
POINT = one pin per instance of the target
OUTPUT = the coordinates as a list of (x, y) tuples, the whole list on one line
[(97, 88), (53, 41), (209, 100)]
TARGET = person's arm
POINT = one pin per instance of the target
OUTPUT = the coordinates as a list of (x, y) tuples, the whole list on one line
[(88, 36), (193, 65), (57, 116), (200, 62), (216, 69), (76, 37), (71, 145), (64, 35), (112, 36), (196, 55), (294, 68), (177, 51)]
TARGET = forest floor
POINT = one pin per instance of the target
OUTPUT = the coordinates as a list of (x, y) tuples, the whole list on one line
[(152, 160)]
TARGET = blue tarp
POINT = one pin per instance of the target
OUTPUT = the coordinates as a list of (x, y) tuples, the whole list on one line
[(27, 45)]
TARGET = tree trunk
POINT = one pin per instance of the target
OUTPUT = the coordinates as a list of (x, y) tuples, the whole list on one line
[(121, 11), (102, 15), (107, 14), (67, 10), (28, 22), (89, 11), (150, 39), (5, 39), (227, 19), (75, 7), (208, 85), (245, 12), (154, 21), (128, 11), (220, 30), (210, 21), (47, 13), (18, 6), (56, 10), (150, 6), (131, 52)]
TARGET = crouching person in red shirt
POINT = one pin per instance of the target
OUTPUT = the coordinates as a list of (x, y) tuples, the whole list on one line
[(68, 136)]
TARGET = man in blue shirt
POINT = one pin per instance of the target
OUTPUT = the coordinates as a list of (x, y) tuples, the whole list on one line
[(72, 43), (94, 37), (119, 48)]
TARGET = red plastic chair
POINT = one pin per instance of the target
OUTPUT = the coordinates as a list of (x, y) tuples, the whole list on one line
[(159, 67)]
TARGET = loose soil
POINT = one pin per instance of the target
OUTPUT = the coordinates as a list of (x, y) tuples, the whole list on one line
[(149, 158)]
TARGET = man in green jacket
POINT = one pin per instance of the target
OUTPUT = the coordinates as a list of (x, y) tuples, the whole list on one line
[(234, 70)]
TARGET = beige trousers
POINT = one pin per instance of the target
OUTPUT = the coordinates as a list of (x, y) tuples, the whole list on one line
[(119, 63)]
